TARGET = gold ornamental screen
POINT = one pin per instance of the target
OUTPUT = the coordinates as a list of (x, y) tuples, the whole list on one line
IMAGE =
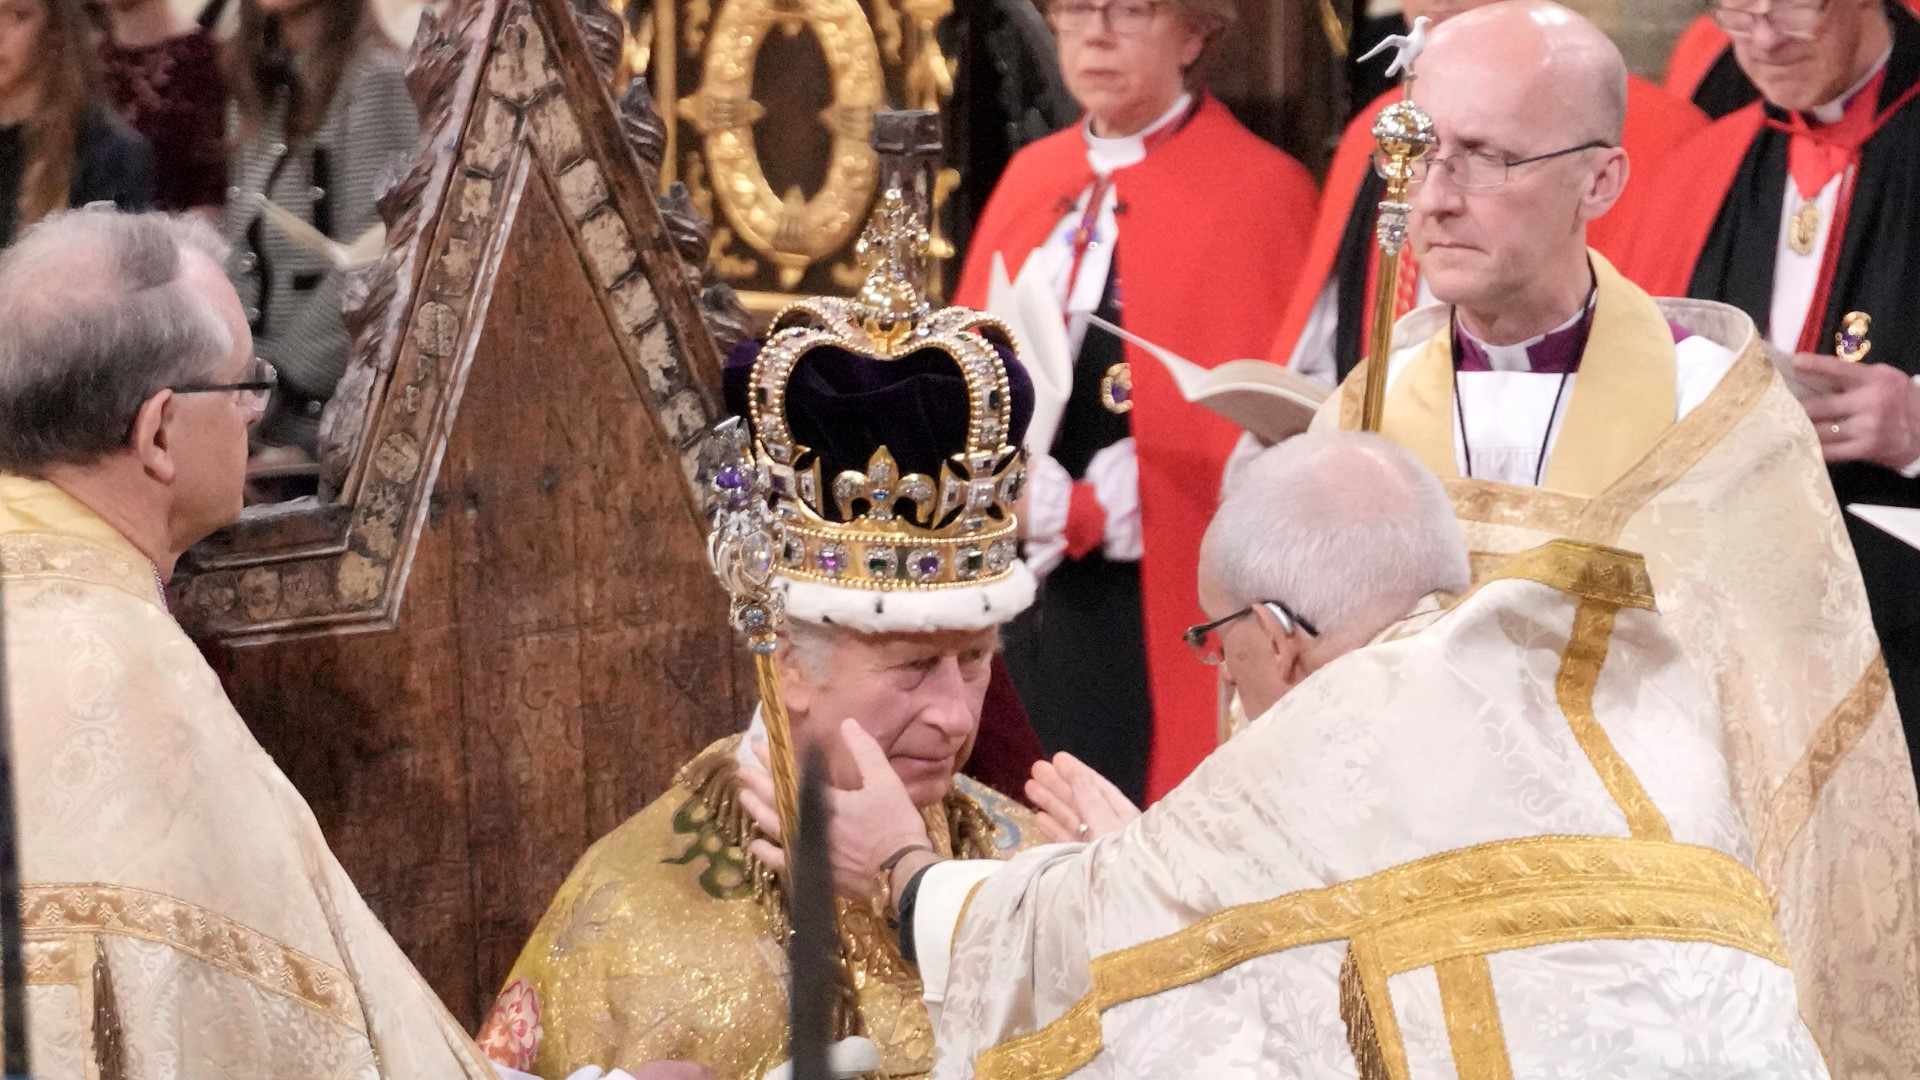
[(769, 106)]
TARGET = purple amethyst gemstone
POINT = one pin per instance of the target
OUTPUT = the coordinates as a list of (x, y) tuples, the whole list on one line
[(830, 560), (926, 566), (732, 484), (1122, 393)]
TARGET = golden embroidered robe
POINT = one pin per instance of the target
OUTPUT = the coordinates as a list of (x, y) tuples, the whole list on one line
[(1732, 508), (667, 942), (1498, 842), (183, 915)]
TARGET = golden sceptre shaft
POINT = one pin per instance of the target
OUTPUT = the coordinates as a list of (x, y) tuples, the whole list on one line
[(1404, 134), (747, 533)]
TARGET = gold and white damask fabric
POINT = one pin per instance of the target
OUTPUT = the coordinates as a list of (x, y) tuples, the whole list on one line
[(1733, 511), (1501, 846), (667, 942), (184, 917)]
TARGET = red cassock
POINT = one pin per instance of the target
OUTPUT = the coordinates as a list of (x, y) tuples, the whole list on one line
[(1213, 225), (1656, 122)]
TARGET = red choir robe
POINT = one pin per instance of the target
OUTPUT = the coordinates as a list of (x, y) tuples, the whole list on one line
[(1656, 122), (1715, 236), (1699, 48), (1214, 224)]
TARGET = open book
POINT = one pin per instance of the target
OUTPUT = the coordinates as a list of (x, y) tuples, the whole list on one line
[(1902, 521), (1271, 402)]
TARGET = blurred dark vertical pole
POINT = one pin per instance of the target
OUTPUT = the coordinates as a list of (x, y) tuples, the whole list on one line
[(13, 967), (813, 951)]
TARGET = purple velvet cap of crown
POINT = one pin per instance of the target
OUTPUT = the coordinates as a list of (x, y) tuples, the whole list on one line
[(846, 406)]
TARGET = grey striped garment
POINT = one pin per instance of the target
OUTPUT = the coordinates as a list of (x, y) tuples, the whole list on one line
[(291, 293)]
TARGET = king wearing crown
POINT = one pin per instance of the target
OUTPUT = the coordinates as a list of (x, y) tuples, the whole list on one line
[(884, 441)]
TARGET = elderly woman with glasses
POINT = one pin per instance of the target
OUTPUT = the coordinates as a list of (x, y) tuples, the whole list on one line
[(1158, 212)]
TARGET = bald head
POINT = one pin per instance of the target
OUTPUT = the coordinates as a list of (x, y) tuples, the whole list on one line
[(1567, 72)]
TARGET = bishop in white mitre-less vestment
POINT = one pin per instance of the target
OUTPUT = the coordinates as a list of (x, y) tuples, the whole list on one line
[(1498, 841), (184, 919)]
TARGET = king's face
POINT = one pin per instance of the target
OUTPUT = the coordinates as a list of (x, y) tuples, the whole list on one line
[(918, 695)]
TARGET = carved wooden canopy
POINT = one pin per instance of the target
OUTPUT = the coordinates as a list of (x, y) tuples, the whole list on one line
[(513, 96)]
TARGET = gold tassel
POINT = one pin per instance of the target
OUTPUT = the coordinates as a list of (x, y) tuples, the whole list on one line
[(106, 1018), (1362, 1038)]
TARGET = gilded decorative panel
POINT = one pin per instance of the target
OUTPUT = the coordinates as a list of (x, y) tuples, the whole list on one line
[(768, 106)]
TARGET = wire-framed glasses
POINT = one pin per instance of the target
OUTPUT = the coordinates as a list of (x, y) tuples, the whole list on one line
[(1479, 168), (1204, 639), (1796, 21)]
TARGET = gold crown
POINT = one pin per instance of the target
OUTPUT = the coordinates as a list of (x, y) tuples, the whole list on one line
[(955, 530)]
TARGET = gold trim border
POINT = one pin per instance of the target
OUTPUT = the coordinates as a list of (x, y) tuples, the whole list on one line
[(1836, 737), (1573, 687), (1474, 1032), (1593, 572), (68, 909), (1479, 900), (51, 555)]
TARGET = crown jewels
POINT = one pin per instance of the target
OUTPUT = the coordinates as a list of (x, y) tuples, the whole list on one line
[(880, 528)]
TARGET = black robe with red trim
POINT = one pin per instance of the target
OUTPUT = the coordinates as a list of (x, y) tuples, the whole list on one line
[(1212, 229), (1716, 237)]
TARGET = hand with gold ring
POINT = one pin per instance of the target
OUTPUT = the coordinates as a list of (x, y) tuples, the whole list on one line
[(1871, 414), (1076, 803)]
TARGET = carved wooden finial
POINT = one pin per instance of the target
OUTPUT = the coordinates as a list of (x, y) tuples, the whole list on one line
[(641, 124), (604, 32)]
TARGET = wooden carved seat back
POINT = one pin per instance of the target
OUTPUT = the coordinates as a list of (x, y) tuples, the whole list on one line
[(495, 635)]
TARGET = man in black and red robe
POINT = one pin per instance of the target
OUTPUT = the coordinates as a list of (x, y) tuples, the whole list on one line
[(1803, 209)]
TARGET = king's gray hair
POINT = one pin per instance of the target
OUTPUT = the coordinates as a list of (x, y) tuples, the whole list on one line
[(97, 320), (1346, 529), (810, 647)]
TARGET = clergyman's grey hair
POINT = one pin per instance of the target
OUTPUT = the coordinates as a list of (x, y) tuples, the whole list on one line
[(1338, 527), (97, 320)]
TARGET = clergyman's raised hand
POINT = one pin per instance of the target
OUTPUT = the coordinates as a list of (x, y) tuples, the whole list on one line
[(1075, 802)]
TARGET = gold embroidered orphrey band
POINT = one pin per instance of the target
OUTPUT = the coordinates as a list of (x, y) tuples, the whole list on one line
[(1513, 894), (52, 911)]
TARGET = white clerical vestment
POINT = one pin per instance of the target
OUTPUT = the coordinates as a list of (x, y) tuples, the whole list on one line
[(184, 918), (1499, 841), (1732, 507), (1509, 416)]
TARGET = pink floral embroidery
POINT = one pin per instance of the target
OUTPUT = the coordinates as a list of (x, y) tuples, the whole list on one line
[(511, 1035)]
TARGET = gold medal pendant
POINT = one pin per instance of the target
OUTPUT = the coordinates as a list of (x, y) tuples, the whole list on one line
[(1803, 228), (1116, 389)]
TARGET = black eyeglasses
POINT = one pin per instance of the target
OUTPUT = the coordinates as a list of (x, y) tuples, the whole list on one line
[(1204, 639), (1478, 168), (262, 380)]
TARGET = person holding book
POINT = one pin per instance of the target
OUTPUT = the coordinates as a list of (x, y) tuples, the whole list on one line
[(1160, 213)]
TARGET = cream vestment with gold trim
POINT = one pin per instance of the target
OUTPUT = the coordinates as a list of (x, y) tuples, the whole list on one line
[(1732, 508), (183, 915), (1500, 845)]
